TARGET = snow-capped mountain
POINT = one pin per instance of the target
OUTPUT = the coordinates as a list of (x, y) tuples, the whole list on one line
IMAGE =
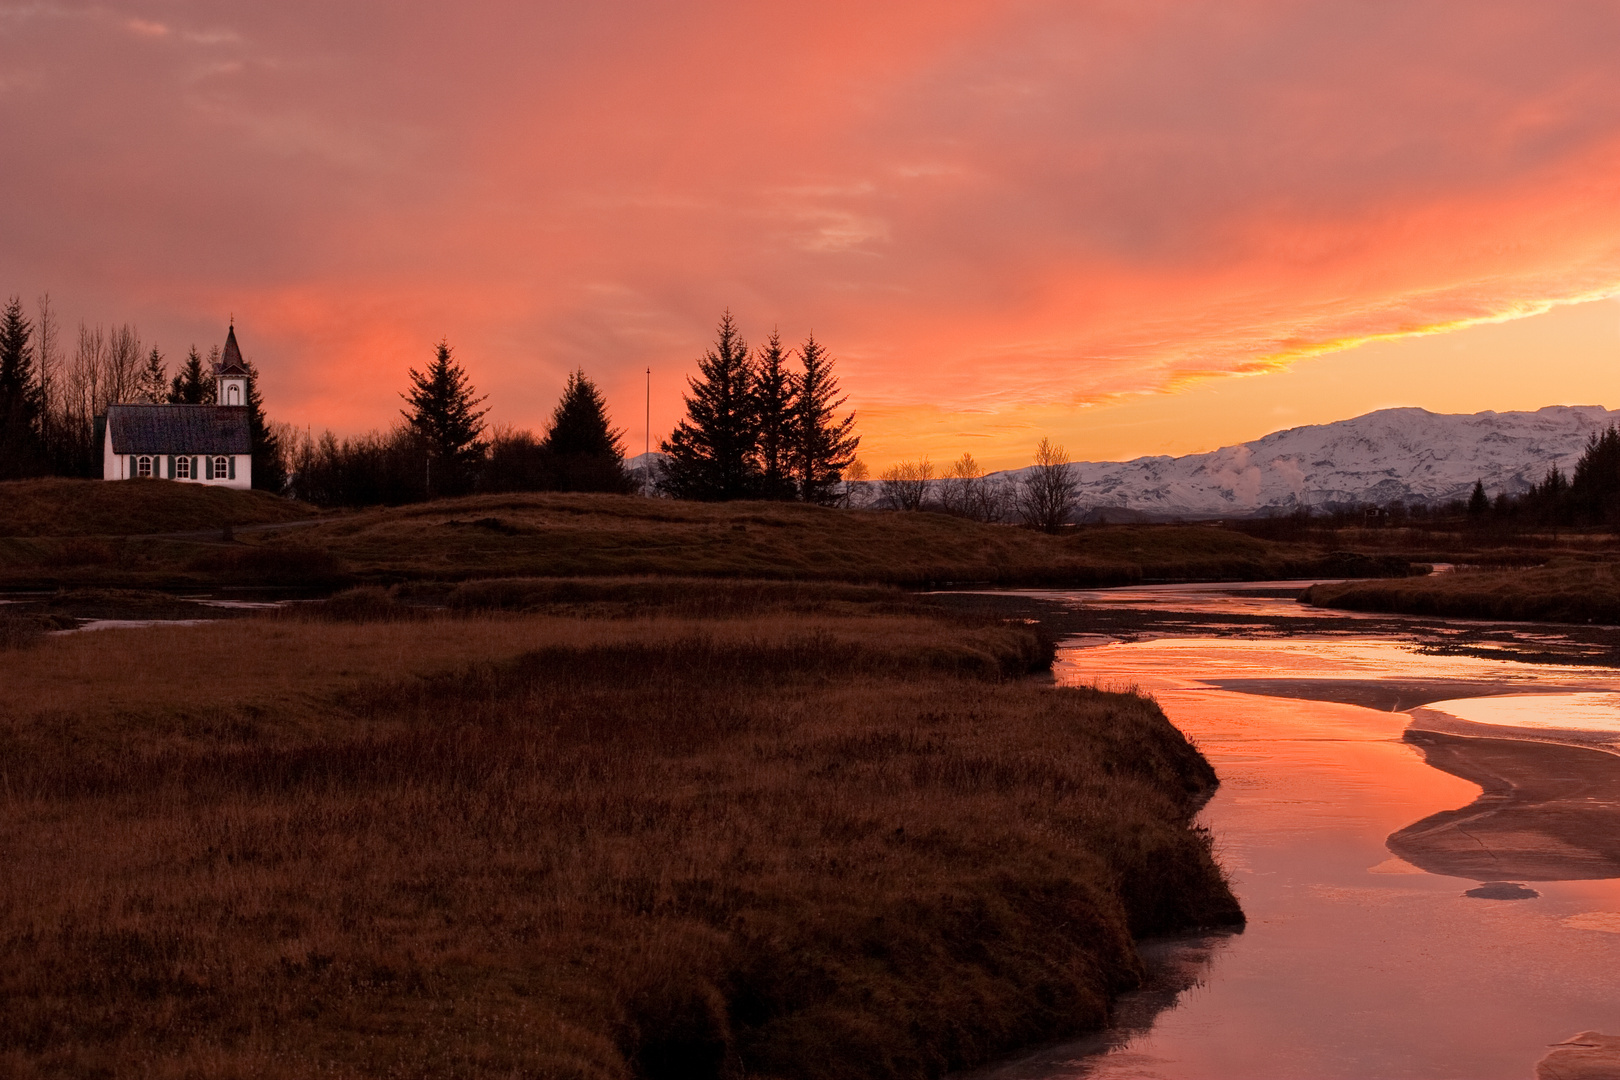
[(1411, 455)]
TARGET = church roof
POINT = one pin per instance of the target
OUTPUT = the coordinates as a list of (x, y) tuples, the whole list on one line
[(230, 361), (179, 429)]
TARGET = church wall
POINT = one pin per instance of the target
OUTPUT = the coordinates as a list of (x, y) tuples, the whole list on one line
[(112, 465), (123, 467)]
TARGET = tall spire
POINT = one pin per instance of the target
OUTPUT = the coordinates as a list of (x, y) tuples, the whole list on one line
[(231, 358)]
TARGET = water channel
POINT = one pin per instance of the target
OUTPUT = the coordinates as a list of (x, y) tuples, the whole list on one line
[(1397, 928)]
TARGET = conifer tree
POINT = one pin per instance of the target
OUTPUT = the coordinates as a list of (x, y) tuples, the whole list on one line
[(711, 452), (21, 402), (269, 464), (445, 419), (1478, 502), (154, 384), (1594, 490), (824, 444), (774, 412), (193, 384), (585, 452)]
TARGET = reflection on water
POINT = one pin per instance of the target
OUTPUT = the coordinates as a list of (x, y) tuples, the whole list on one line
[(1591, 712), (1191, 662), (129, 624), (1275, 600), (1357, 962)]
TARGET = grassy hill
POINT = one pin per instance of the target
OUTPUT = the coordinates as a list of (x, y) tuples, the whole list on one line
[(65, 534), (56, 506), (551, 535)]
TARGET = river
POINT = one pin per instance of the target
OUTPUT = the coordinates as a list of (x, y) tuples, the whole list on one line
[(1397, 928)]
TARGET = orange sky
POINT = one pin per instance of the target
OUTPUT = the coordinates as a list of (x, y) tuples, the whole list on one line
[(1007, 220)]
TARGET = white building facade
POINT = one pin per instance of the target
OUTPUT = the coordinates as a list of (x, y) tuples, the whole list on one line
[(195, 444)]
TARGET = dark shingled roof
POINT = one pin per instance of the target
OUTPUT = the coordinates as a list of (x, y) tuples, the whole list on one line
[(179, 429), (230, 361)]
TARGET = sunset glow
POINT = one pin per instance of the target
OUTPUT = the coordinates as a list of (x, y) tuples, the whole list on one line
[(1006, 220)]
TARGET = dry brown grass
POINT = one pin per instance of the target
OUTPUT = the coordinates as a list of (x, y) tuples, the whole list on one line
[(789, 843), (606, 535), (1564, 590), (19, 631), (56, 506), (563, 535)]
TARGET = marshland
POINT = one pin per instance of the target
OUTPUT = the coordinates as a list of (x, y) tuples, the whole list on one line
[(531, 785), (569, 826)]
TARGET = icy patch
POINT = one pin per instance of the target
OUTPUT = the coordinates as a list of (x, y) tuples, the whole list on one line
[(1545, 712)]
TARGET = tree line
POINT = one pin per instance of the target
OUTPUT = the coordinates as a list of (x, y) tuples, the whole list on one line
[(765, 423), (762, 425), (50, 398), (438, 448), (756, 427), (1046, 496), (1588, 497)]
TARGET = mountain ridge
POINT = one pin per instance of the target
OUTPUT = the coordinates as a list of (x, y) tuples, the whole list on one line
[(1405, 454)]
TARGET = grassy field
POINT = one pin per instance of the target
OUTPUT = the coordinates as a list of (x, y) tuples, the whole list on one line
[(1564, 590), (551, 535), (588, 829), (1474, 547)]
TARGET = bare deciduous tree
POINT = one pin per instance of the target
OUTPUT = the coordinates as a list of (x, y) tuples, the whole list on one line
[(124, 365), (84, 390), (904, 485), (1047, 497), (105, 370), (48, 350), (967, 492), (856, 491), (961, 484), (998, 499)]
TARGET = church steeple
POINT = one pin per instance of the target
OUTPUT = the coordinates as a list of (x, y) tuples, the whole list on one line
[(231, 376)]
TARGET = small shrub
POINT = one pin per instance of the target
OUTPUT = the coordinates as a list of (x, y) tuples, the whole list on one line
[(81, 551), (274, 564), (19, 632), (367, 604)]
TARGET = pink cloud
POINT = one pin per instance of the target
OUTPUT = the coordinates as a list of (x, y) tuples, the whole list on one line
[(985, 208)]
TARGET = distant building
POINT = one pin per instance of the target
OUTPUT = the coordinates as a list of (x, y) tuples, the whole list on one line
[(196, 444)]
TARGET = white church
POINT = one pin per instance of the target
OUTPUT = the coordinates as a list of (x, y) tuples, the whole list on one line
[(197, 444)]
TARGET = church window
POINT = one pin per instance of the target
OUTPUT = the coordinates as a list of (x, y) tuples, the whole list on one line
[(182, 468), (143, 466), (221, 468)]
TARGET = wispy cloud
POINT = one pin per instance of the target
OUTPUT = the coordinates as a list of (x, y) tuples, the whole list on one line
[(997, 209)]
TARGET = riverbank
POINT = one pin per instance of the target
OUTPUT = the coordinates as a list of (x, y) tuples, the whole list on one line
[(1564, 590), (579, 830), (1355, 961)]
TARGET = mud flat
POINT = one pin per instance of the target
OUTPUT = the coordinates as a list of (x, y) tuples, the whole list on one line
[(1549, 808)]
